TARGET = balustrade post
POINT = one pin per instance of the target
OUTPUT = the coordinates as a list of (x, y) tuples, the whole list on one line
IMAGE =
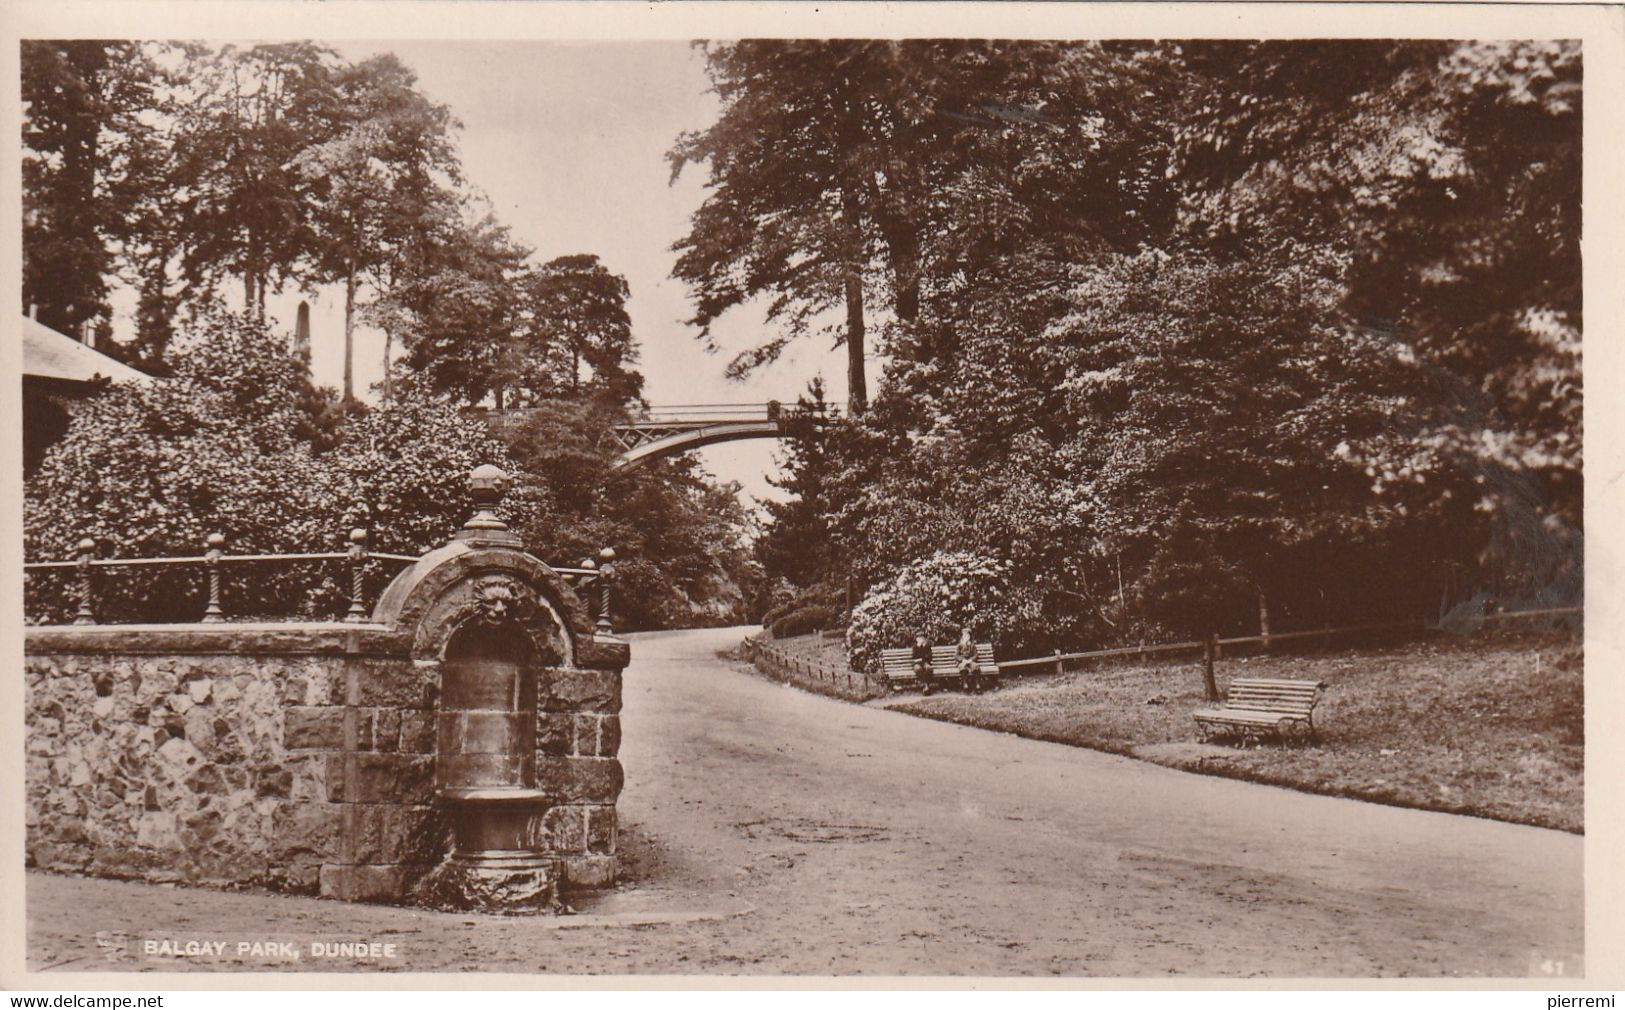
[(86, 614), (213, 614), (606, 574), (358, 561)]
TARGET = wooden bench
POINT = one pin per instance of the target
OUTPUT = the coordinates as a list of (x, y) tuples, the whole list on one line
[(898, 665), (1256, 707)]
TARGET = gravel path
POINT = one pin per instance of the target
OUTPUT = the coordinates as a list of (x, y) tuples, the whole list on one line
[(767, 830)]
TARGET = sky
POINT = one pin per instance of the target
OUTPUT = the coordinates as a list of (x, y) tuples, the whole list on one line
[(568, 141)]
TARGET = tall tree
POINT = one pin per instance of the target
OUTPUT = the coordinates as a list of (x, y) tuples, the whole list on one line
[(786, 216), (845, 170), (795, 543), (1449, 174), (574, 314), (86, 146), (457, 304), (247, 210), (369, 178)]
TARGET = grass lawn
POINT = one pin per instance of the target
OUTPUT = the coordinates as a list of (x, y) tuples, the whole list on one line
[(1486, 726)]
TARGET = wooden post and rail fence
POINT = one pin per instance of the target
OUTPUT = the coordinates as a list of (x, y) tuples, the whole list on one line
[(1059, 659), (782, 661), (789, 662)]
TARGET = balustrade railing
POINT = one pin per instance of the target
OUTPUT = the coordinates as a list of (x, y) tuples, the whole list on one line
[(588, 575)]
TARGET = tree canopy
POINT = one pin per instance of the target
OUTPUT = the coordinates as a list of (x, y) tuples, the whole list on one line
[(1193, 335)]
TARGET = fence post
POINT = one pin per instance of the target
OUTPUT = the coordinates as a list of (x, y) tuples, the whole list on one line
[(358, 560), (214, 614), (87, 550)]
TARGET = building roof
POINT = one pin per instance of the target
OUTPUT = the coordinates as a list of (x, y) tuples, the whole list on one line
[(48, 354)]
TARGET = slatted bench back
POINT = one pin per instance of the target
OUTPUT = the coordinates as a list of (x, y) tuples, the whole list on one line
[(897, 664), (1262, 694), (945, 659)]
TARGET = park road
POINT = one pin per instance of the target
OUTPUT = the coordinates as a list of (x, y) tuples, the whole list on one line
[(830, 839)]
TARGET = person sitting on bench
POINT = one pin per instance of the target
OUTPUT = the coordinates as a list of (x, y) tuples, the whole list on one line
[(922, 663), (970, 671)]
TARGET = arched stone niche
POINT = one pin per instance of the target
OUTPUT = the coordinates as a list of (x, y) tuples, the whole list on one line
[(527, 724)]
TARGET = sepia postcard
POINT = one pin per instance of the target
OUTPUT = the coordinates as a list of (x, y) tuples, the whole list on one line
[(1069, 495)]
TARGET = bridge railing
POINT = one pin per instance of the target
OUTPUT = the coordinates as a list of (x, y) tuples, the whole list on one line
[(691, 413)]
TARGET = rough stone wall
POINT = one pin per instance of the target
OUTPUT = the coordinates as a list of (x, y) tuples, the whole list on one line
[(298, 758), (213, 762)]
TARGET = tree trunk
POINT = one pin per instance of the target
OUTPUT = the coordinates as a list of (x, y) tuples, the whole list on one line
[(851, 139), (248, 292), (1122, 600), (349, 333), (901, 235), (857, 385), (1210, 647), (389, 345), (1264, 619), (903, 243)]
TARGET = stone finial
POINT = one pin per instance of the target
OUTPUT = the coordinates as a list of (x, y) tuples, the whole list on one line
[(487, 485)]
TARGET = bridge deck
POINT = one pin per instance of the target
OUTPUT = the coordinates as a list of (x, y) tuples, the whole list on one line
[(675, 428)]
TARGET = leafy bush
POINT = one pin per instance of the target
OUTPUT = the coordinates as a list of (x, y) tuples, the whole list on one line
[(153, 471), (820, 597), (936, 596), (804, 621)]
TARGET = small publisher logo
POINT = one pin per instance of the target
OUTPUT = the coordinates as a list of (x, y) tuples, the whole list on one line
[(1557, 965)]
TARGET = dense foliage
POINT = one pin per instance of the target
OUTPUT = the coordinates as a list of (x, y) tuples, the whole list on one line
[(235, 443), (190, 171), (678, 537), (152, 471), (937, 596), (1183, 338)]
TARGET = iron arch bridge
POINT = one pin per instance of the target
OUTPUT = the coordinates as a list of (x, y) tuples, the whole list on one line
[(669, 430)]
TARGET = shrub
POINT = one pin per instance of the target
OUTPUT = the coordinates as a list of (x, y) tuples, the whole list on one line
[(820, 597), (936, 596), (152, 471), (804, 621)]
